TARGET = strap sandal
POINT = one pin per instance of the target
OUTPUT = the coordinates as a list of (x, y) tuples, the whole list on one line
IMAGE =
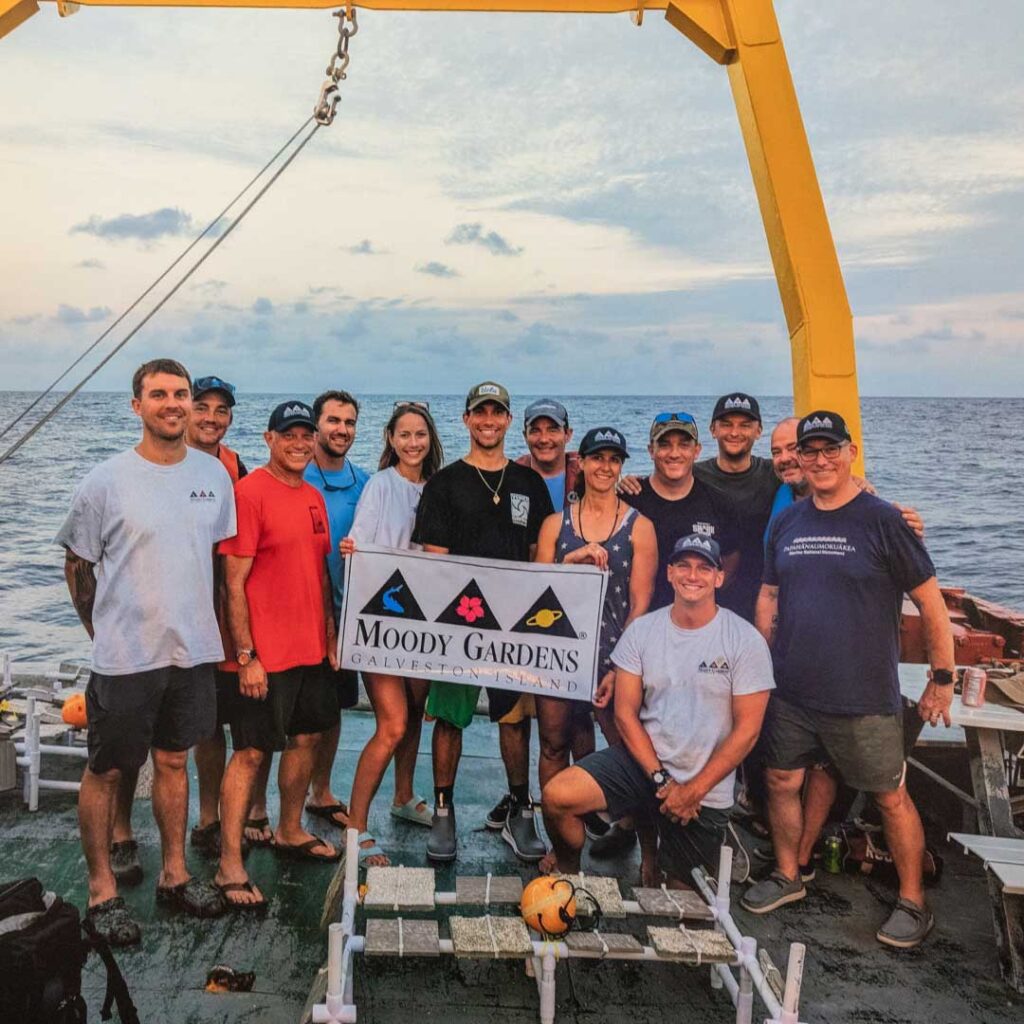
[(336, 814), (304, 851), (241, 906), (113, 922), (260, 825), (198, 899), (371, 851), (411, 811)]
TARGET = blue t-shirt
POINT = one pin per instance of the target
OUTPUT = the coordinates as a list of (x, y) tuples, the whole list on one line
[(784, 497), (556, 488), (841, 576), (341, 489)]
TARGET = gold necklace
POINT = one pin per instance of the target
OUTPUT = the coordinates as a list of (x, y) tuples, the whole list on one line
[(495, 491)]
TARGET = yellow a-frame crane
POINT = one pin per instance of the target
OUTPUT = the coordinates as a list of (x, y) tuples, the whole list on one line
[(744, 36)]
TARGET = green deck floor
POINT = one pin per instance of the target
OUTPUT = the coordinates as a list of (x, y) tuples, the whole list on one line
[(848, 976)]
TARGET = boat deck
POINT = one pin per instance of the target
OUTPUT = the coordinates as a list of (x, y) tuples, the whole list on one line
[(848, 975)]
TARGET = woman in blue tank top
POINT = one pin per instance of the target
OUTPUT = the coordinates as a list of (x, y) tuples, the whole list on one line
[(599, 529)]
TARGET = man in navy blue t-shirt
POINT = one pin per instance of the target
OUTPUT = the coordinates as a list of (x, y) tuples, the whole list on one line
[(836, 569)]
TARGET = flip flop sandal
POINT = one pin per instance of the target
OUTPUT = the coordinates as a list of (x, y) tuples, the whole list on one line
[(259, 825), (112, 920), (198, 899), (241, 906), (370, 851), (304, 851), (328, 812), (411, 812)]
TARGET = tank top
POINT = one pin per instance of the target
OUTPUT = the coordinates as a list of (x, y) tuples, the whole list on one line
[(620, 561)]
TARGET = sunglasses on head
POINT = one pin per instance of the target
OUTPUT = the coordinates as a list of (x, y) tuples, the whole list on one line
[(212, 384), (410, 404), (674, 417)]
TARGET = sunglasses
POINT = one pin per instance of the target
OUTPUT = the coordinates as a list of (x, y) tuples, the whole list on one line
[(201, 384), (331, 487), (409, 404), (674, 417)]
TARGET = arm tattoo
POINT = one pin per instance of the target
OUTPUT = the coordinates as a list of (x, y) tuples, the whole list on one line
[(81, 580)]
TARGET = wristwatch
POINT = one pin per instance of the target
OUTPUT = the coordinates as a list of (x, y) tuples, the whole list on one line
[(943, 677), (660, 777), (245, 656)]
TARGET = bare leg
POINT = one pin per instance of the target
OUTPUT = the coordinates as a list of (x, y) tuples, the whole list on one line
[(387, 695), (409, 746), (235, 798), (258, 806), (323, 764), (170, 808), (582, 730), (96, 801), (606, 720), (819, 793), (566, 799), (210, 755), (650, 874), (786, 814), (514, 741), (123, 808), (554, 722), (905, 836), (446, 750), (293, 780)]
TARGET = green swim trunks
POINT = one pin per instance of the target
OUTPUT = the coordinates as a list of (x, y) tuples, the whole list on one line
[(455, 703)]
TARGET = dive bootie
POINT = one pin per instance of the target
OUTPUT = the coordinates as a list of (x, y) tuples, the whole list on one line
[(442, 844), (520, 832)]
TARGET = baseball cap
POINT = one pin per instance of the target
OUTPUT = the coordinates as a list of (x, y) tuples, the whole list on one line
[(665, 422), (549, 408), (203, 384), (695, 544), (737, 402), (822, 425), (290, 414), (488, 391), (600, 438)]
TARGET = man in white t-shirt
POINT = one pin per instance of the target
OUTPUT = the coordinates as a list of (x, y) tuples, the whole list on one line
[(139, 543), (691, 686)]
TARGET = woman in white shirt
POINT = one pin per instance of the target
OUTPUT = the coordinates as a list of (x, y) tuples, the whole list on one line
[(385, 516)]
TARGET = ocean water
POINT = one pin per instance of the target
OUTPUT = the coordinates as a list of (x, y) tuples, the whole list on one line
[(956, 460)]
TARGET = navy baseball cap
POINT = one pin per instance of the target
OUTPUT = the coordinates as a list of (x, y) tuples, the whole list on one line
[(291, 414), (822, 425), (600, 438), (203, 384), (695, 544), (549, 408), (737, 402)]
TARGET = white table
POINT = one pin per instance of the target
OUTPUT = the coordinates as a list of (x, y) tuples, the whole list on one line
[(983, 729)]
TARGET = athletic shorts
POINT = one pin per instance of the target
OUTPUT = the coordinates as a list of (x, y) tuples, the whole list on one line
[(628, 792), (300, 701), (866, 750), (346, 686), (456, 704), (167, 708), (227, 696)]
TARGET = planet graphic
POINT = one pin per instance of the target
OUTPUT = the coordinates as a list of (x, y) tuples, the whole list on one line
[(544, 618)]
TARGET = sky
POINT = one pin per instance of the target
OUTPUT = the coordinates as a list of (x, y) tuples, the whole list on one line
[(559, 202)]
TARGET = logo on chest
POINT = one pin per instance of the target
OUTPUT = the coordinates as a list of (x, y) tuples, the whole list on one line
[(201, 496), (704, 529), (520, 507), (319, 526), (717, 667)]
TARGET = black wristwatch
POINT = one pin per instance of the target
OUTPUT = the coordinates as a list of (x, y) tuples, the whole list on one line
[(660, 777), (943, 677)]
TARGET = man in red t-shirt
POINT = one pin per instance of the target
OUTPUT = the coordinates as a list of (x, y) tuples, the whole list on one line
[(282, 625)]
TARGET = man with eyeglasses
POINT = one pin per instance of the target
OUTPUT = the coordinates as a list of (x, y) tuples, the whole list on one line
[(836, 568)]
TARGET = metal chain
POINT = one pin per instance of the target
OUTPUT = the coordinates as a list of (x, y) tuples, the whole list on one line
[(327, 104)]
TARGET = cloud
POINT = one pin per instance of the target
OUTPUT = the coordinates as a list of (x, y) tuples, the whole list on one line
[(366, 248), (74, 315), (91, 265), (28, 318), (263, 306), (214, 286), (146, 227), (473, 234), (436, 269)]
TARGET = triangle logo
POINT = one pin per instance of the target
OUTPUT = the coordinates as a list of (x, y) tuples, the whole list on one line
[(394, 600), (546, 616), (469, 607)]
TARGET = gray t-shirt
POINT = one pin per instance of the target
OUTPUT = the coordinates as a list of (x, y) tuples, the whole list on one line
[(150, 530), (690, 677)]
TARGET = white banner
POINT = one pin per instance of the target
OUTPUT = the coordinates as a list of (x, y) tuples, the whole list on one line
[(478, 621)]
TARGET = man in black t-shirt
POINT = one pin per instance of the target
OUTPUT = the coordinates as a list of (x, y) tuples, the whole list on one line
[(748, 484), (488, 506), (677, 503)]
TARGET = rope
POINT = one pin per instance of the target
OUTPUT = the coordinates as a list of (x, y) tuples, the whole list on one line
[(672, 900), (604, 945), (398, 890), (401, 945), (50, 413), (689, 938), (487, 891), (490, 932)]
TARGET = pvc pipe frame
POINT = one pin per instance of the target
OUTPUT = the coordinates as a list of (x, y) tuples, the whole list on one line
[(32, 750)]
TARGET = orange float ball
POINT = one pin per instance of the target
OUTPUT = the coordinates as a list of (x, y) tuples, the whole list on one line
[(548, 905), (73, 711)]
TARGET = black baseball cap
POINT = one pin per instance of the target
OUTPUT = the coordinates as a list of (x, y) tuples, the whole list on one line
[(737, 402), (291, 414), (822, 425), (695, 544), (600, 438), (488, 391), (549, 408), (203, 384)]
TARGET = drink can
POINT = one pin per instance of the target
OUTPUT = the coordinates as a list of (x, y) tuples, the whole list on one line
[(975, 680), (832, 861)]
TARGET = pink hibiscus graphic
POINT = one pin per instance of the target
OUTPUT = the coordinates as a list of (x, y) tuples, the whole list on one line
[(470, 609)]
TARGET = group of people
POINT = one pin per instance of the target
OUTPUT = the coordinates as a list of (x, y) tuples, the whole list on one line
[(751, 619)]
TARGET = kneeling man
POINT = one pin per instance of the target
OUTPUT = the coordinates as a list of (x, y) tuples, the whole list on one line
[(691, 687)]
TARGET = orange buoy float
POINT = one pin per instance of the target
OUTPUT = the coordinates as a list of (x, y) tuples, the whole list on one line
[(73, 711), (548, 905)]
